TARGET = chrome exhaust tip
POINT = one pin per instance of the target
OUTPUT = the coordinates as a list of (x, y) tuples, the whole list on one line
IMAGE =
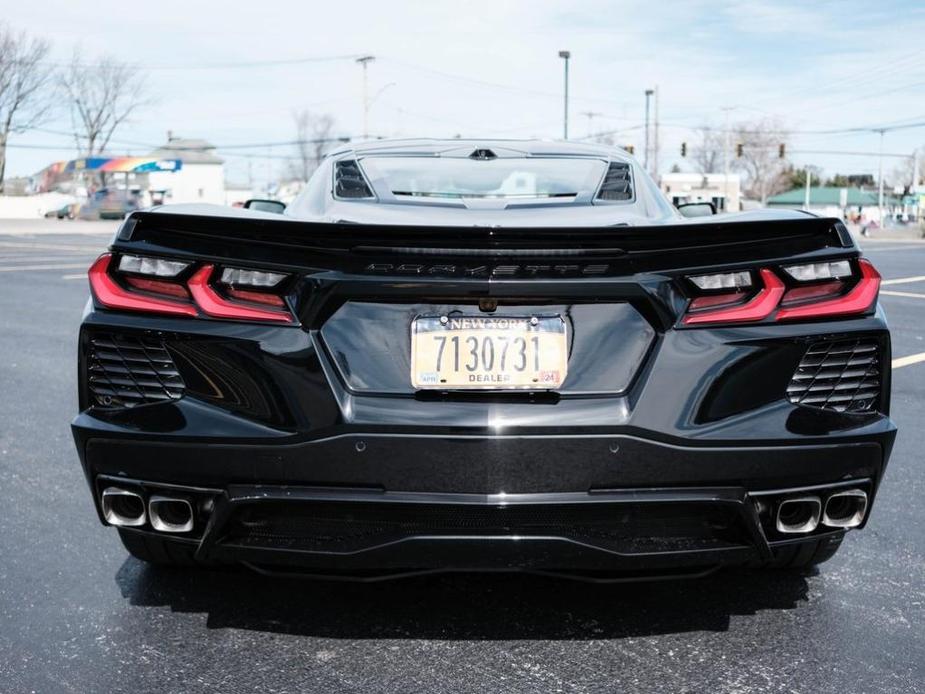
[(123, 508), (798, 515), (170, 514), (845, 509)]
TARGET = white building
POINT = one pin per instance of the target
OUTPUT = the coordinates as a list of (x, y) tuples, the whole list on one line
[(201, 178), (721, 190)]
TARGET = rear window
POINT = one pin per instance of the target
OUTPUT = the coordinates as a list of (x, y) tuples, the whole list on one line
[(435, 177)]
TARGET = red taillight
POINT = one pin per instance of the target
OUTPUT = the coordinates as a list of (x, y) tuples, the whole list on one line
[(214, 304), (757, 308), (256, 297), (140, 292), (804, 301), (111, 295), (861, 297), (158, 287)]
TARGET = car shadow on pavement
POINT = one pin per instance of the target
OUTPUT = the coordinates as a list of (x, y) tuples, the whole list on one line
[(460, 606)]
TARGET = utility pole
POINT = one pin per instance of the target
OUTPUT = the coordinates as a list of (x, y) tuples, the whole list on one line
[(590, 115), (726, 110), (645, 156), (806, 194), (880, 180), (655, 139), (364, 61), (565, 55)]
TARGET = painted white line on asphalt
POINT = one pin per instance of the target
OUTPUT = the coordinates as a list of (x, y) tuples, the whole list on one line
[(53, 246), (887, 249), (906, 361), (904, 280), (908, 295), (81, 276), (27, 268)]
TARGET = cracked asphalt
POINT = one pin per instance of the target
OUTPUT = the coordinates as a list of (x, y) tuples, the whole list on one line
[(78, 615)]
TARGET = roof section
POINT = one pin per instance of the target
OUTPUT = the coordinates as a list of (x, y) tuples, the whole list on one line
[(188, 150), (826, 195), (426, 147)]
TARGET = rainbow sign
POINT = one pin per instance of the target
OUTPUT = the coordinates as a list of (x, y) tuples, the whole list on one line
[(123, 164)]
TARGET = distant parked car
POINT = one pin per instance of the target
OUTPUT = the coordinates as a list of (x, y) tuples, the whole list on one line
[(109, 204), (63, 212)]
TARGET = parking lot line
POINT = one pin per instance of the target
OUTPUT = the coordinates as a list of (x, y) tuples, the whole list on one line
[(78, 276), (906, 361), (909, 295), (904, 280), (26, 268)]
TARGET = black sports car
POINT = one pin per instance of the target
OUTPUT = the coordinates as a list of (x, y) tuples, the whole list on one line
[(492, 355)]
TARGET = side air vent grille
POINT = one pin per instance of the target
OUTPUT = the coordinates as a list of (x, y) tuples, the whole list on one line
[(618, 183), (349, 181), (125, 371), (842, 375)]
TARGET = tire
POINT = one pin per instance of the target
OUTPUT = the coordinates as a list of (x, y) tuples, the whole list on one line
[(158, 550), (805, 554)]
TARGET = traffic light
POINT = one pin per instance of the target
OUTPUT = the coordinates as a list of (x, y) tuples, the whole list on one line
[(782, 151), (630, 148), (683, 149), (739, 148)]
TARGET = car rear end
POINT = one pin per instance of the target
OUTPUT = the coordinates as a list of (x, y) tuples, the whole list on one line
[(369, 401)]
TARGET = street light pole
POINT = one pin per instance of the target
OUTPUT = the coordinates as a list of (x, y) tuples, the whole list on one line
[(880, 181), (565, 55), (364, 62), (645, 156)]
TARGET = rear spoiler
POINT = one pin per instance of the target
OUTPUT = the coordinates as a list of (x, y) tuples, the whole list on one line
[(290, 243)]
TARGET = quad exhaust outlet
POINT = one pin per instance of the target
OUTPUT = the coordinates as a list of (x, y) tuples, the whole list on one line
[(799, 514), (123, 508), (845, 509), (170, 514)]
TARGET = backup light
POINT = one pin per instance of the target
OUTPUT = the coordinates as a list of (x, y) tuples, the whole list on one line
[(251, 278), (819, 271), (155, 267), (727, 280)]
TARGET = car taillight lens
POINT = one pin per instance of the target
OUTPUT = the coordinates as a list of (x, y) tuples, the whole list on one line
[(815, 290), (214, 304), (759, 307), (859, 299), (111, 294), (154, 285)]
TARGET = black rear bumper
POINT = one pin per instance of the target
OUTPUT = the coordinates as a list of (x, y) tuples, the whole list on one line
[(356, 503)]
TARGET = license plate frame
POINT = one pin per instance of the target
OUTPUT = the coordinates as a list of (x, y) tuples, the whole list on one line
[(549, 353)]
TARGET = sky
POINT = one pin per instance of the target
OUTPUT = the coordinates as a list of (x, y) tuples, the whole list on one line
[(233, 73)]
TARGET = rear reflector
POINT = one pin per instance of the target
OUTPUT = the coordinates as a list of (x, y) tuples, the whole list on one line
[(112, 295), (757, 308), (256, 297), (214, 304), (158, 287)]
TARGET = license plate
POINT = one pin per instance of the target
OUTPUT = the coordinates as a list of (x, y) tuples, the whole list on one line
[(488, 353)]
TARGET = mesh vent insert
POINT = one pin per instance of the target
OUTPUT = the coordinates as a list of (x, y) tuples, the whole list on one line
[(125, 371), (618, 183), (349, 181), (840, 375)]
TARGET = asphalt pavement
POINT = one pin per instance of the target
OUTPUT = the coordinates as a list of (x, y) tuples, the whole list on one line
[(78, 615)]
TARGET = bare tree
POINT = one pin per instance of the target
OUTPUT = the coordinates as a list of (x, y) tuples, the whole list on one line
[(25, 93), (765, 172), (102, 96), (905, 172), (313, 138), (708, 151)]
